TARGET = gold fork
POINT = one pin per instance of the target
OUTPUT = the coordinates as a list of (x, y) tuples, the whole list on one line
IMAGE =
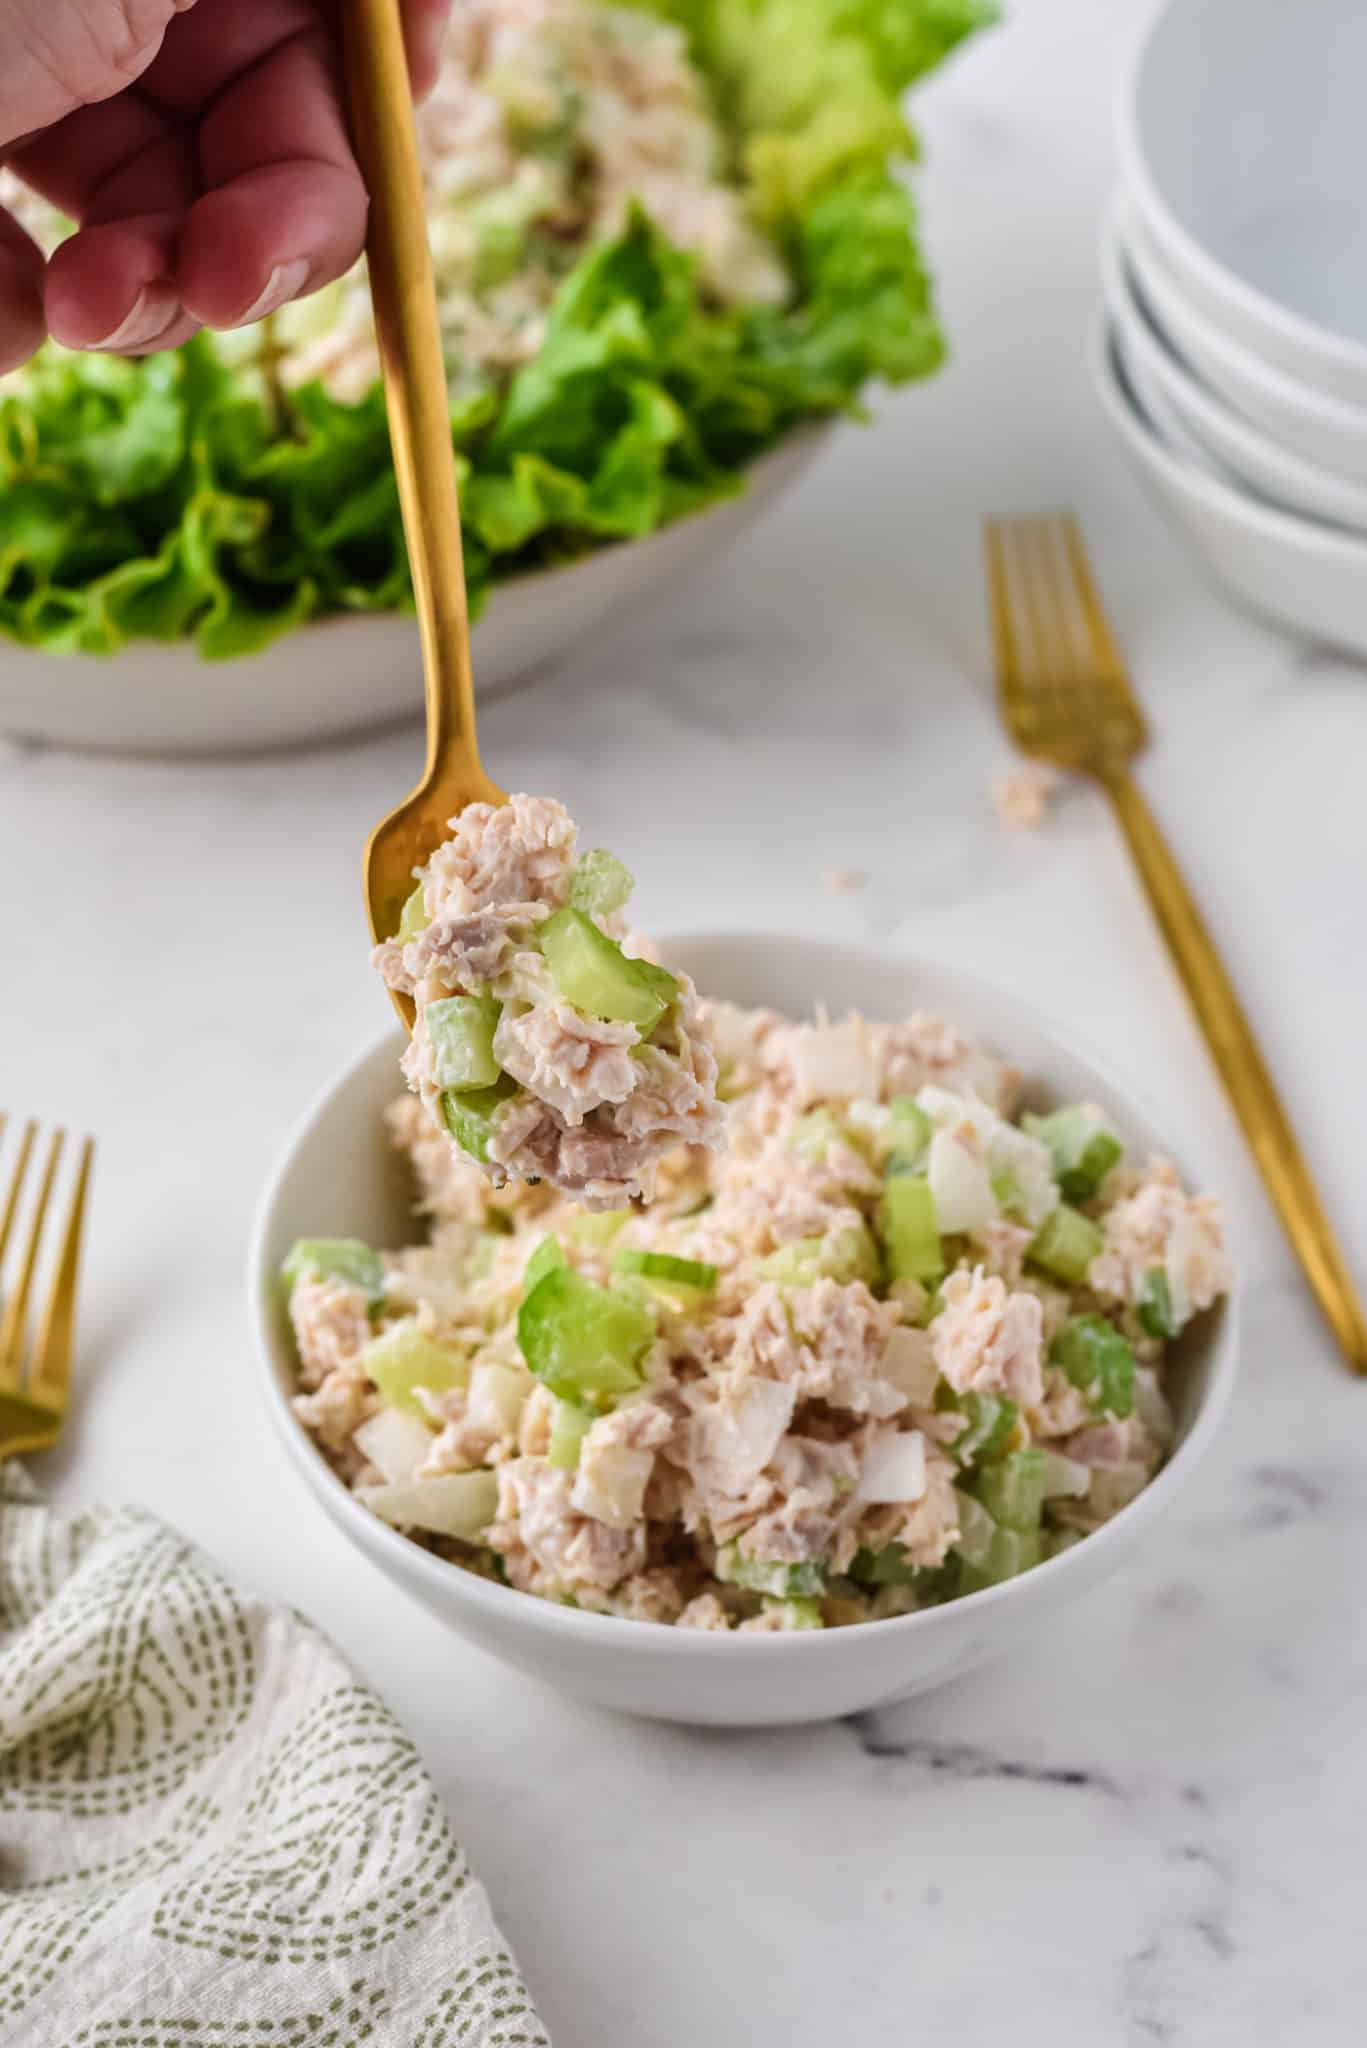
[(406, 322), (1065, 696), (35, 1379)]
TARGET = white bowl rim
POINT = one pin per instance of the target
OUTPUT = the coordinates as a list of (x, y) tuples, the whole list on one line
[(586, 1627), (1128, 312), (1293, 328), (1274, 521), (1281, 387)]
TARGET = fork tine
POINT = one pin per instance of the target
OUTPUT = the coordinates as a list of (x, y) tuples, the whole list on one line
[(1004, 643), (51, 1373), (16, 1186), (1071, 627), (1089, 597), (16, 1311)]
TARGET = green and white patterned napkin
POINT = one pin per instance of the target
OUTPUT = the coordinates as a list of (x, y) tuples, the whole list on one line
[(211, 1836)]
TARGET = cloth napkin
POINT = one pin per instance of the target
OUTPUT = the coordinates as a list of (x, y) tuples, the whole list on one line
[(211, 1836)]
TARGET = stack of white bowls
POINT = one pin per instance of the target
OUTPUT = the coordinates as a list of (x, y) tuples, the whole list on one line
[(1233, 353)]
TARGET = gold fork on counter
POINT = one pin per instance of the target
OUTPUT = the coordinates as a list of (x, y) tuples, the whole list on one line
[(35, 1378), (409, 332), (1066, 698)]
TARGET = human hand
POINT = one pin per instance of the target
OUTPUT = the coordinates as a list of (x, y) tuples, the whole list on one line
[(202, 147)]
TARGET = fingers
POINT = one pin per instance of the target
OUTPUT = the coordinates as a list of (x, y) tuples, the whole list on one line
[(286, 208), (109, 157), (129, 172), (22, 326), (220, 187), (265, 238), (113, 287), (424, 31)]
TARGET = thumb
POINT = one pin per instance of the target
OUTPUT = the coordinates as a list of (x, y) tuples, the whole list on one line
[(57, 55)]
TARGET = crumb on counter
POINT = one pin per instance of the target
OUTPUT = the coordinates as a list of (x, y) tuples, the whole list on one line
[(1022, 798), (844, 881)]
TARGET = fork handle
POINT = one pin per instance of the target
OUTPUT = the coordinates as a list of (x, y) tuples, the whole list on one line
[(1245, 1075)]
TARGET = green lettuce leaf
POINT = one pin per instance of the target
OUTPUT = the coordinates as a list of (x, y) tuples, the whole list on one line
[(181, 497)]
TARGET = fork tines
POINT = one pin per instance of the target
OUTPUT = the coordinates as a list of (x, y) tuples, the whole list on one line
[(41, 1216), (1061, 681)]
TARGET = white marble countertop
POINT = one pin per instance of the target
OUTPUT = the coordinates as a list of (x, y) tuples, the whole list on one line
[(1148, 1829)]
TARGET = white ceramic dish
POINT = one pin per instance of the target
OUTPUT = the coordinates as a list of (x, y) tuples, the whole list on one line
[(1242, 140), (1306, 577), (337, 1176), (1202, 425), (1328, 433), (346, 675)]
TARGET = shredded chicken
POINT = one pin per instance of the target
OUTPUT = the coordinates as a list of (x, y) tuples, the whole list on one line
[(989, 1341), (803, 1435), (586, 1103), (1161, 1227), (549, 121)]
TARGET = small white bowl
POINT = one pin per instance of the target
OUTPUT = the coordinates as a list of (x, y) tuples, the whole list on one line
[(1242, 140), (1199, 421), (1327, 433), (1309, 578), (349, 674), (338, 1176)]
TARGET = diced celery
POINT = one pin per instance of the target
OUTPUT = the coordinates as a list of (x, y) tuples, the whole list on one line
[(976, 1529), (1066, 1245), (845, 1255), (909, 1134), (813, 1135), (692, 1274), (459, 1504), (1010, 1552), (414, 918), (599, 884), (1155, 1305), (932, 1306), (796, 1613), (1012, 1490), (597, 1231), (470, 1114), (907, 1228), (591, 971), (886, 1567), (762, 1575), (335, 1258), (570, 1424), (462, 1029), (545, 1259), (478, 1264), (404, 1358), (581, 1339), (991, 1419), (1081, 1144), (1098, 1361)]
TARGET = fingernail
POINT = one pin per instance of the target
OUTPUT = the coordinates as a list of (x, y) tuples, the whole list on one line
[(283, 282), (155, 309)]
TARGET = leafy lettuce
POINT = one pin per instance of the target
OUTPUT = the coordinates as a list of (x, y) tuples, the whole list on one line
[(180, 497)]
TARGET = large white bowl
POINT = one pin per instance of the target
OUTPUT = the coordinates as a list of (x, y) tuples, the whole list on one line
[(1328, 433), (1200, 422), (1242, 140), (338, 1176), (1301, 575), (348, 674)]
